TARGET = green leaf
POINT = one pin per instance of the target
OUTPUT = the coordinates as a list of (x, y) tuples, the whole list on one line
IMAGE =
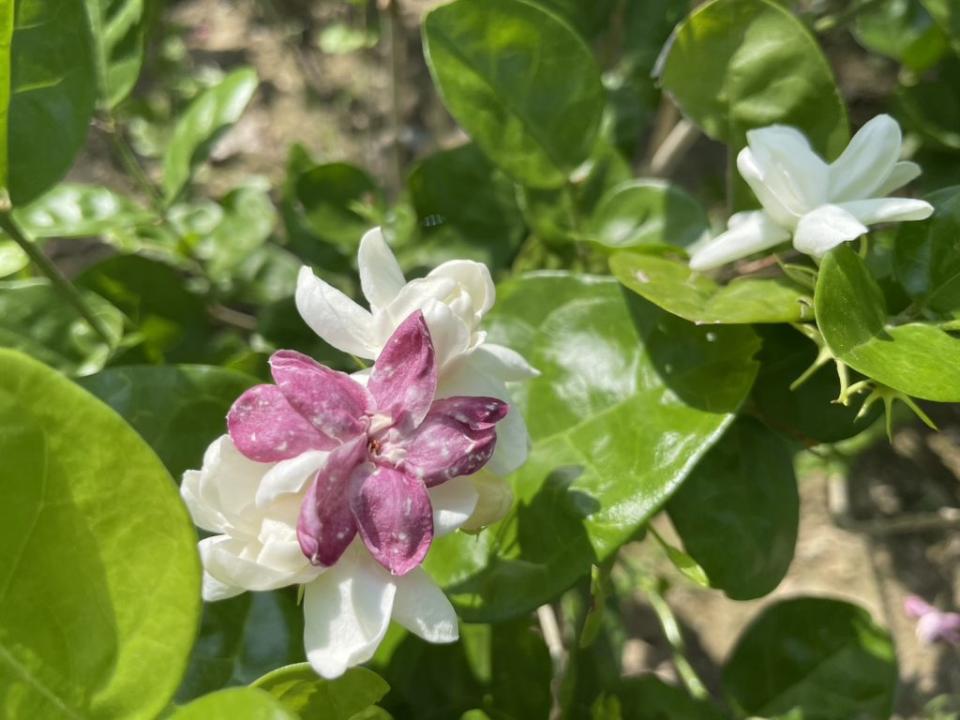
[(931, 106), (682, 561), (179, 411), (627, 402), (521, 82), (725, 69), (649, 698), (12, 258), (299, 689), (243, 638), (808, 413), (746, 542), (35, 319), (119, 29), (647, 212), (503, 669), (76, 210), (208, 116), (823, 659), (902, 30), (588, 19), (247, 220), (927, 255), (465, 208), (672, 285), (235, 704), (852, 316), (49, 71), (947, 15), (101, 581)]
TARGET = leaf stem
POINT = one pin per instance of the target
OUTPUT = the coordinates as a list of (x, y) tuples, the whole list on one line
[(45, 266)]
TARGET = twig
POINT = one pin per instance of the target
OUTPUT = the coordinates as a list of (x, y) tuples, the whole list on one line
[(674, 146), (229, 316), (552, 637), (45, 266)]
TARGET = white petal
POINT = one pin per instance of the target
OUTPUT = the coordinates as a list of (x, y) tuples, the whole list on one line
[(231, 562), (380, 275), (867, 161), (788, 168), (880, 210), (214, 590), (334, 317), (451, 338), (346, 612), (496, 500), (228, 483), (453, 503), (748, 233), (474, 278), (289, 476), (204, 515), (774, 207), (423, 609), (825, 228), (902, 173), (502, 363)]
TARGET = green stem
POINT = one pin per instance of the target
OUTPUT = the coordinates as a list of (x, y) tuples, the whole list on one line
[(43, 263), (131, 164)]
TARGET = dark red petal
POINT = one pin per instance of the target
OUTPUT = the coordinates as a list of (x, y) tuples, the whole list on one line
[(265, 428)]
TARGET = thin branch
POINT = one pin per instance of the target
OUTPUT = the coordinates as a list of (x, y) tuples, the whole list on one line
[(674, 146)]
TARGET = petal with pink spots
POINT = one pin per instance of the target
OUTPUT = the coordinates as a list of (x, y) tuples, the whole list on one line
[(326, 525), (265, 428), (394, 517), (331, 401), (404, 377)]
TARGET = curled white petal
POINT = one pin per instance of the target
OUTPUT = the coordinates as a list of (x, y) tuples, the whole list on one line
[(335, 317), (881, 210), (237, 564), (503, 363), (867, 161), (494, 502), (902, 173), (289, 476), (451, 337), (474, 278), (825, 228), (204, 515), (748, 233), (381, 278), (346, 613), (214, 590), (423, 609), (453, 503), (789, 169)]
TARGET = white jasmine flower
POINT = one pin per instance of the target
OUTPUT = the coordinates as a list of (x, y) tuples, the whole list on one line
[(819, 205)]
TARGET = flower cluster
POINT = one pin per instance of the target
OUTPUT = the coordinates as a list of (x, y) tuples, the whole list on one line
[(933, 625), (819, 205), (340, 483)]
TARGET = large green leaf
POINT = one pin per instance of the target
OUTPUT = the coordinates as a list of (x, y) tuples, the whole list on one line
[(235, 704), (212, 112), (852, 316), (672, 285), (301, 691), (119, 28), (947, 15), (247, 220), (931, 106), (520, 81), (818, 658), (36, 319), (178, 410), (745, 542), (588, 18), (647, 212), (649, 698), (76, 210), (902, 30), (100, 584), (734, 65), (243, 638), (627, 403), (48, 69)]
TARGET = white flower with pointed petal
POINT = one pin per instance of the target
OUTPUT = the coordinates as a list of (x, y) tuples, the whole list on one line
[(819, 205)]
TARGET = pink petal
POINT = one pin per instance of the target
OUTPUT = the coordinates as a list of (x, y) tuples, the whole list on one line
[(331, 401), (456, 438), (404, 377), (326, 525), (394, 517), (265, 428)]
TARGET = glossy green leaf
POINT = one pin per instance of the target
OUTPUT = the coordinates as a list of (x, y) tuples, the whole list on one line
[(808, 413), (101, 581), (627, 403), (852, 316), (178, 410), (588, 19), (50, 70), (76, 210), (521, 82), (927, 255), (243, 638), (504, 670), (647, 212), (465, 208), (208, 116), (247, 220), (36, 319), (821, 659), (725, 68), (118, 28), (902, 30), (235, 704), (672, 285), (12, 258), (305, 694), (746, 541)]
